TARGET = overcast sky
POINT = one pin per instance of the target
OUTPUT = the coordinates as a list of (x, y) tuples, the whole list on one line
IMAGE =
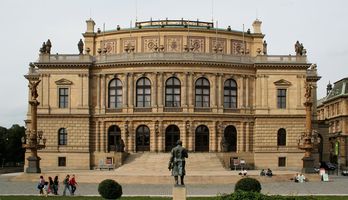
[(321, 25)]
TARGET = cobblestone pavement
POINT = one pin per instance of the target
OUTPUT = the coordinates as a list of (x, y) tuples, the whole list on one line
[(337, 186)]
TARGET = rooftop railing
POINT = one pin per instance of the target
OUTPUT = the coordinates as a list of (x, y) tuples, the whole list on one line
[(170, 57)]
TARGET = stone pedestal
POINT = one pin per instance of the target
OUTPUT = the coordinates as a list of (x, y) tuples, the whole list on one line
[(308, 165), (33, 165), (179, 192)]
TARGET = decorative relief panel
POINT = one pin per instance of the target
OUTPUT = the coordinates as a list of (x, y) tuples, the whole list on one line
[(110, 46), (150, 44), (173, 44), (128, 44), (197, 44), (217, 45), (238, 47)]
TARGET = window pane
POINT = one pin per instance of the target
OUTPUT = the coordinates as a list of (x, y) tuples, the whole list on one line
[(112, 92), (169, 90), (169, 98), (119, 91), (177, 91), (205, 91), (147, 98), (140, 104), (177, 98), (140, 91), (147, 91), (147, 104), (205, 98)]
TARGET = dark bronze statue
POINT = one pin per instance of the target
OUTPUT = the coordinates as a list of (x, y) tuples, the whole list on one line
[(80, 46), (177, 162), (43, 48), (33, 88), (299, 49), (48, 46), (264, 47)]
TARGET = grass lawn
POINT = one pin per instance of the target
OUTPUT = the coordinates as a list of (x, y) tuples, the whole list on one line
[(134, 198)]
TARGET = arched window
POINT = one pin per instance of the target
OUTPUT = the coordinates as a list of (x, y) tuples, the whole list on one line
[(115, 93), (173, 92), (281, 137), (62, 137), (114, 137), (143, 138), (230, 94), (202, 138), (202, 93), (143, 92)]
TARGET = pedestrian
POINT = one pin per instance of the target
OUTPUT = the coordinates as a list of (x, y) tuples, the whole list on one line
[(50, 185), (55, 185), (41, 185), (66, 185), (73, 184)]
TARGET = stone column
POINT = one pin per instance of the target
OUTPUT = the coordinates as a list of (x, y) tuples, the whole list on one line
[(184, 91), (266, 90), (160, 91), (240, 140), (131, 92), (81, 90), (259, 92), (156, 91), (247, 103), (247, 135), (161, 136), (103, 93), (153, 93), (240, 92), (131, 135), (190, 134), (125, 92), (190, 92), (215, 92), (104, 138), (220, 94), (98, 93), (97, 137)]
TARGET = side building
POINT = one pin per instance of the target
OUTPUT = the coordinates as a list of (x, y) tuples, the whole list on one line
[(332, 114), (216, 89)]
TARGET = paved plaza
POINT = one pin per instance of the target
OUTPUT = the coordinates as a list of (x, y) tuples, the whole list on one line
[(336, 186)]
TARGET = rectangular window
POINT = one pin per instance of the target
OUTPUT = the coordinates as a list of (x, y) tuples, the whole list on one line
[(281, 98), (281, 161), (63, 97), (61, 161)]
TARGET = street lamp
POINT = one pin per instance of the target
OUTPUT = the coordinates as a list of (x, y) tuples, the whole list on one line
[(34, 139)]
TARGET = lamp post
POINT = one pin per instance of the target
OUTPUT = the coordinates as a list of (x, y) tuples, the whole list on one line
[(34, 140), (308, 140)]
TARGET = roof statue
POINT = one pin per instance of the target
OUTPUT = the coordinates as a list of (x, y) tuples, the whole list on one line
[(264, 47), (299, 49), (80, 46), (48, 46), (43, 48)]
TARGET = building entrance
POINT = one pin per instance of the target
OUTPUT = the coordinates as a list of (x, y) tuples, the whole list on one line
[(230, 135), (202, 139), (172, 136), (114, 137), (143, 138)]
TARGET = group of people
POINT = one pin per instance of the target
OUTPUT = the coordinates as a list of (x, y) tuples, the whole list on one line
[(268, 173), (300, 178), (52, 185)]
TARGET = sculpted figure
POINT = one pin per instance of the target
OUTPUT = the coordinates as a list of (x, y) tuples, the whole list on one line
[(43, 48), (264, 47), (33, 88), (298, 49), (308, 93), (80, 46), (177, 162), (48, 46)]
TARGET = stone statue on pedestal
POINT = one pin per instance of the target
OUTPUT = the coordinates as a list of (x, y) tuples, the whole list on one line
[(80, 46), (177, 162)]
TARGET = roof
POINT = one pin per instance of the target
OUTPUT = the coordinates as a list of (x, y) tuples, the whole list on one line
[(339, 89)]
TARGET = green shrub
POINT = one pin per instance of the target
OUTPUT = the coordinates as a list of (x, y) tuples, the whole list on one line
[(248, 185), (110, 189), (243, 195)]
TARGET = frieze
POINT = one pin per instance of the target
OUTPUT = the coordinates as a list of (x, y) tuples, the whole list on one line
[(173, 43), (197, 44), (129, 44), (217, 45), (109, 46), (150, 44)]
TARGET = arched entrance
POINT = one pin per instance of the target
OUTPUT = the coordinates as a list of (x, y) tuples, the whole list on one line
[(114, 136), (230, 135), (202, 138), (143, 138), (172, 135)]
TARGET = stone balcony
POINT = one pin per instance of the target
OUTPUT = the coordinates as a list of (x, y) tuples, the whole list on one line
[(171, 57)]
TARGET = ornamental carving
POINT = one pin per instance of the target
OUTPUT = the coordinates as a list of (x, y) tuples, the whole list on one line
[(173, 44), (238, 47), (109, 45), (150, 44), (197, 44), (217, 45), (128, 44)]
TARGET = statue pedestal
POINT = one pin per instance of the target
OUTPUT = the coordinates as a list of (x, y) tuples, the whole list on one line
[(308, 165), (33, 165), (179, 192)]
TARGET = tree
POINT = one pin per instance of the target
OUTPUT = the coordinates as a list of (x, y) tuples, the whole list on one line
[(11, 145)]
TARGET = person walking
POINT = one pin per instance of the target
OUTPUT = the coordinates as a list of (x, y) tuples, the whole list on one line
[(66, 185), (41, 185), (50, 185), (55, 185), (73, 184)]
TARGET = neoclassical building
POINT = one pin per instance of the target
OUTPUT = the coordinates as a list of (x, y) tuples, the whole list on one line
[(215, 89), (332, 114)]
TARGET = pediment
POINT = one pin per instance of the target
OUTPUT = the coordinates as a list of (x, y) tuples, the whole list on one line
[(64, 81), (282, 82)]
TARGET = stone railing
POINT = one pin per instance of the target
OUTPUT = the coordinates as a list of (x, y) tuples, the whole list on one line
[(169, 57)]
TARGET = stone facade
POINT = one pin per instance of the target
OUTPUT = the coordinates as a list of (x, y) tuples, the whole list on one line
[(225, 91), (332, 114)]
